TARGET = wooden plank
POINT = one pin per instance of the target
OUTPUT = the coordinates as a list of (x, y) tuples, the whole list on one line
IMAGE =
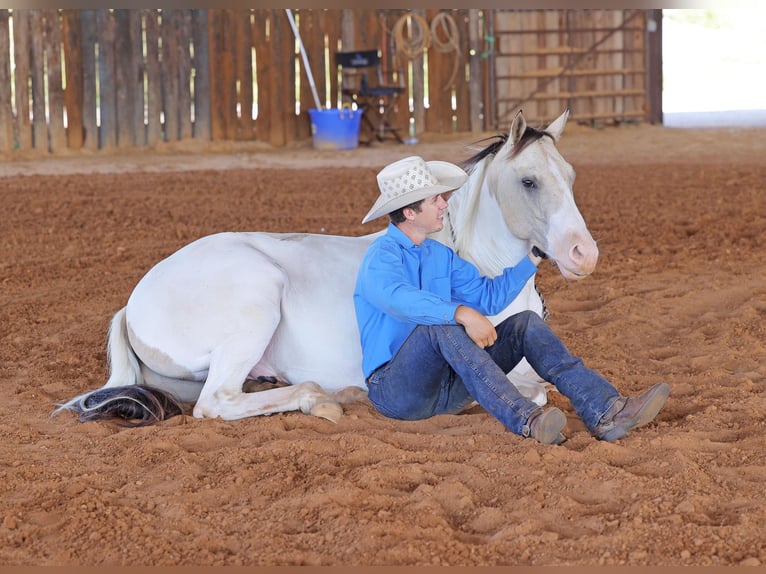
[(37, 72), (201, 67), (308, 28), (6, 105), (462, 97), (52, 42), (654, 65), (439, 112), (243, 73), (73, 92), (125, 73), (475, 71), (88, 23), (418, 64), (261, 42), (106, 79), (182, 33), (330, 25), (281, 74), (229, 76), (154, 129), (396, 67), (169, 71), (136, 83)]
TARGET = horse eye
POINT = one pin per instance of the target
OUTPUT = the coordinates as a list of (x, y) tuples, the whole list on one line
[(528, 184)]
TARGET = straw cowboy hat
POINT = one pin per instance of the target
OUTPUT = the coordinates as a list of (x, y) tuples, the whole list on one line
[(412, 179)]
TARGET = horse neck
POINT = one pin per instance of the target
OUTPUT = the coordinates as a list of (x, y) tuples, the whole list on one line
[(475, 229)]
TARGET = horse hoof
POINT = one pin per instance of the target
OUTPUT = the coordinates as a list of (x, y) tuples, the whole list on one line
[(350, 396), (331, 411)]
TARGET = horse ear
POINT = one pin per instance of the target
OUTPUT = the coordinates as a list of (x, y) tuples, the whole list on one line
[(518, 127), (557, 126)]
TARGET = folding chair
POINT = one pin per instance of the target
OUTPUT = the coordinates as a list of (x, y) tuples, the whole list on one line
[(378, 99)]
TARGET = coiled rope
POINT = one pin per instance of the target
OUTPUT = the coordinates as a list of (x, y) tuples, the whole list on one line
[(412, 37)]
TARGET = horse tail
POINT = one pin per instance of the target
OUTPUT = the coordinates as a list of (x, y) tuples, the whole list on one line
[(124, 368), (128, 406), (124, 398)]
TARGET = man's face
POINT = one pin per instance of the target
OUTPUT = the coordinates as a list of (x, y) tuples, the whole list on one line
[(430, 218)]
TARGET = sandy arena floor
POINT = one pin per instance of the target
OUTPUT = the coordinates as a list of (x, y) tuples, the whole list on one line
[(679, 295)]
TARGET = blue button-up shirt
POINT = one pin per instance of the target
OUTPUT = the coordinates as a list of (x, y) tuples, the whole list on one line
[(401, 285)]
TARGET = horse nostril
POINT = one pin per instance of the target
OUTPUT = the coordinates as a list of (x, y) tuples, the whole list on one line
[(576, 254)]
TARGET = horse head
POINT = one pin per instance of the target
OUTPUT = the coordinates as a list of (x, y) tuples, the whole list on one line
[(532, 184)]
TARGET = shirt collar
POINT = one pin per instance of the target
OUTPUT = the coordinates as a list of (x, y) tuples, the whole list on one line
[(400, 237)]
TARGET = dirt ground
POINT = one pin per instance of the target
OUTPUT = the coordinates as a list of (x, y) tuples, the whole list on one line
[(678, 295)]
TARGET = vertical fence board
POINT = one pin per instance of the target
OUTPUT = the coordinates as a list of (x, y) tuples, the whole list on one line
[(37, 71), (243, 42), (462, 109), (73, 96), (107, 103), (126, 70), (154, 130), (169, 75), (281, 75), (181, 31), (89, 120), (6, 106), (307, 25), (53, 39), (136, 80), (201, 100), (261, 42)]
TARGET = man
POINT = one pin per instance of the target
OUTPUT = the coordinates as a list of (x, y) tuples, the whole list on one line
[(427, 345)]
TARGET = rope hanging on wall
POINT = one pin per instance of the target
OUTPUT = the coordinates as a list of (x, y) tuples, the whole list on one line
[(446, 23), (413, 36)]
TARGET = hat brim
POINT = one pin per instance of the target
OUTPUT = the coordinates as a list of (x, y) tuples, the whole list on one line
[(449, 177)]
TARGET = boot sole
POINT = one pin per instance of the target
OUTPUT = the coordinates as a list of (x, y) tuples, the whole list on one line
[(549, 425), (659, 393)]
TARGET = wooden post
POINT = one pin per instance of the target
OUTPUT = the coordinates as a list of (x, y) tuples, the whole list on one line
[(181, 25), (261, 41), (125, 73), (73, 62), (106, 79), (6, 108), (201, 75), (154, 130), (52, 26), (90, 127), (169, 75), (37, 68), (654, 65), (136, 81)]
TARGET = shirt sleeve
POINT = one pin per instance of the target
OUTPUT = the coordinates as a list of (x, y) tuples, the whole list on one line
[(385, 285), (489, 295)]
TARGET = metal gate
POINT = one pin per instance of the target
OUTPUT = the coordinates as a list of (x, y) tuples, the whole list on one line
[(594, 62)]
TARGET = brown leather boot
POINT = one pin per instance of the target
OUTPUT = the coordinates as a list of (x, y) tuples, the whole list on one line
[(628, 413), (545, 426)]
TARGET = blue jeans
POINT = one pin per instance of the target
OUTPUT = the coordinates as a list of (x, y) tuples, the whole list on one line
[(440, 370)]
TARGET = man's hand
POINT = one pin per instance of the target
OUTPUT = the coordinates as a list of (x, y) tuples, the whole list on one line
[(477, 326)]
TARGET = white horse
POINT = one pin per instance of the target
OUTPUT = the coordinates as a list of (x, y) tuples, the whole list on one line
[(236, 307)]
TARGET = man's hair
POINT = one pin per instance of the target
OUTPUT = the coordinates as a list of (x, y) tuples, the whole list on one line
[(397, 216)]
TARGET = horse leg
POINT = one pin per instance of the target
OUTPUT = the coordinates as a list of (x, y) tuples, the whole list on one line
[(222, 395)]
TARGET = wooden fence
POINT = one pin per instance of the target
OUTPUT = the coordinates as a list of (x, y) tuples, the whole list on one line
[(104, 79)]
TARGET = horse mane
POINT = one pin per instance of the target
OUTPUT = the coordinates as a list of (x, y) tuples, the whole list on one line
[(498, 141)]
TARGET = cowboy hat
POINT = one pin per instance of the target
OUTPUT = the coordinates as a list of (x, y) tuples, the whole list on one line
[(412, 179)]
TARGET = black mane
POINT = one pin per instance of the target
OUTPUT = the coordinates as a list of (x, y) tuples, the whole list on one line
[(498, 141)]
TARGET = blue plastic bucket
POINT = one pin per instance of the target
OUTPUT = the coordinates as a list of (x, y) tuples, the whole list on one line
[(335, 129)]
